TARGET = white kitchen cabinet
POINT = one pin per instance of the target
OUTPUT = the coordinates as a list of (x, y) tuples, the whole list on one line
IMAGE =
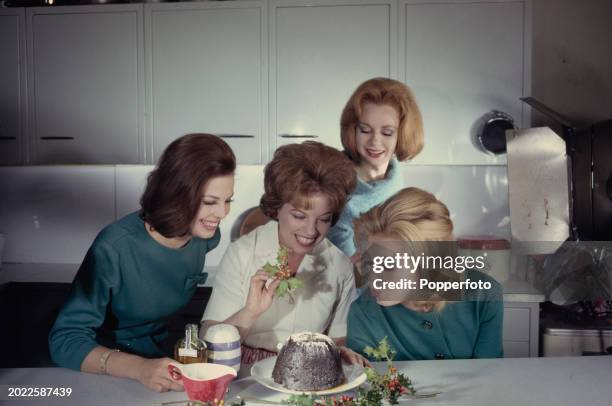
[(521, 329), (13, 85), (207, 72), (85, 84), (320, 51), (464, 59)]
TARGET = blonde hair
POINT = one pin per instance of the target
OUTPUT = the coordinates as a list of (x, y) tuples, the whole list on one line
[(384, 91), (412, 214)]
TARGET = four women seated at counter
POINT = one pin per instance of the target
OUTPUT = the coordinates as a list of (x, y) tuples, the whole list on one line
[(144, 267)]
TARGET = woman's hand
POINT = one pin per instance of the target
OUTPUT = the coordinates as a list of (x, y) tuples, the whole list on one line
[(260, 297), (258, 301), (352, 357), (153, 373)]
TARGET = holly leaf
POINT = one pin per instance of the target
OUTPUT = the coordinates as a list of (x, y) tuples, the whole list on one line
[(371, 374), (300, 400), (282, 255), (383, 352), (270, 269), (282, 289), (295, 283)]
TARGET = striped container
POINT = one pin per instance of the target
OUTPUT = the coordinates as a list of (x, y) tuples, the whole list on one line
[(223, 344)]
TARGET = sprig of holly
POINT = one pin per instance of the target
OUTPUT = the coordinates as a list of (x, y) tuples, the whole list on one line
[(282, 271), (392, 385)]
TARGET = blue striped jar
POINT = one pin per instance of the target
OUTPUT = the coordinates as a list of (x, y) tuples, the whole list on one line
[(223, 343)]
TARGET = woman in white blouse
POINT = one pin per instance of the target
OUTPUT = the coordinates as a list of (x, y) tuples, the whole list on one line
[(306, 187)]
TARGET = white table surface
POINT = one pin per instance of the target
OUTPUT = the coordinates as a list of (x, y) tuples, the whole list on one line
[(571, 381)]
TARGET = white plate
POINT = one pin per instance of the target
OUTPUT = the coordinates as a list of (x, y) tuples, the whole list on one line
[(262, 373)]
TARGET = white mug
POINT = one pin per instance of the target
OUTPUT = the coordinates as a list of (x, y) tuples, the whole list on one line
[(223, 345)]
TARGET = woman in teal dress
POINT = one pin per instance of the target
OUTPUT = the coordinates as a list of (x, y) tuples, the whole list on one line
[(422, 329), (146, 266)]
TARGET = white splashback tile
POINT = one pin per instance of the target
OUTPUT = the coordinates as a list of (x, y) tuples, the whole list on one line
[(247, 191), (52, 214), (130, 183), (477, 196)]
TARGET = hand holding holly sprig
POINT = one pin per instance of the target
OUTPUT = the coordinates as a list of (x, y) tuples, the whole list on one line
[(282, 272)]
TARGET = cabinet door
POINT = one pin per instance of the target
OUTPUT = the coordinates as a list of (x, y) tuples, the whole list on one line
[(86, 99), (12, 83), (208, 73), (463, 59), (320, 52)]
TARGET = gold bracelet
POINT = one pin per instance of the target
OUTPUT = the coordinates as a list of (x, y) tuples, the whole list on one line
[(104, 360)]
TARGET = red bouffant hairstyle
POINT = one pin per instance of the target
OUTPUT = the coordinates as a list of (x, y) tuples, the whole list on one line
[(174, 189), (388, 92)]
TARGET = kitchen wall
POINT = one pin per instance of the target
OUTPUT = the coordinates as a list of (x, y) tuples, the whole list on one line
[(51, 214), (572, 58)]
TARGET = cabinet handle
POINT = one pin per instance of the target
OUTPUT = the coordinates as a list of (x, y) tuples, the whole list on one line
[(236, 136), (8, 138), (57, 138), (298, 136)]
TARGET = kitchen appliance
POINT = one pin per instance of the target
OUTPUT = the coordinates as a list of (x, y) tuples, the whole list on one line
[(589, 149), (578, 273), (579, 329), (560, 198), (538, 187), (565, 342)]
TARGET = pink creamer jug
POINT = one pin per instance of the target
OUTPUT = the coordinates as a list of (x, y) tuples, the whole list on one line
[(203, 382)]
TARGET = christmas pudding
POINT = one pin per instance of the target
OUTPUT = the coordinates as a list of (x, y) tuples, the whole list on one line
[(308, 362)]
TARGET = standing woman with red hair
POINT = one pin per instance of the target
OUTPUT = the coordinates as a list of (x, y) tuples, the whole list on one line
[(380, 127), (146, 266)]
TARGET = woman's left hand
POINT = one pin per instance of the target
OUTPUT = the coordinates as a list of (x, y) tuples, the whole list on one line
[(352, 357)]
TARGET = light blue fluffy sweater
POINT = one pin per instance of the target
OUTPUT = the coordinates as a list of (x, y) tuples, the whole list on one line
[(365, 196)]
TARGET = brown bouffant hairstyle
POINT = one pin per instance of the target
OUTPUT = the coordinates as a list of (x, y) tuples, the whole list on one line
[(383, 91), (174, 189), (299, 170)]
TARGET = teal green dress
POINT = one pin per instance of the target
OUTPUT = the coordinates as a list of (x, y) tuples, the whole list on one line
[(465, 329), (126, 288)]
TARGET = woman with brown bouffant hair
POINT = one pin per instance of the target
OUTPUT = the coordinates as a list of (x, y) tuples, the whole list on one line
[(413, 221), (306, 188), (380, 126), (144, 267)]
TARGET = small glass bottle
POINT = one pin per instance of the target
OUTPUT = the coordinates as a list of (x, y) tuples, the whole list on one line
[(190, 349)]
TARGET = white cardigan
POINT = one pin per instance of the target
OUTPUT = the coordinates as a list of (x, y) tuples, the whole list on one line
[(321, 305)]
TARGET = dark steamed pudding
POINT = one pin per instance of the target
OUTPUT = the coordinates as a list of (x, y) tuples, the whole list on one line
[(308, 362)]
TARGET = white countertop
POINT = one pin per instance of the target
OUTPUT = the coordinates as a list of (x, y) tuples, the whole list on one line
[(563, 381), (514, 290)]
